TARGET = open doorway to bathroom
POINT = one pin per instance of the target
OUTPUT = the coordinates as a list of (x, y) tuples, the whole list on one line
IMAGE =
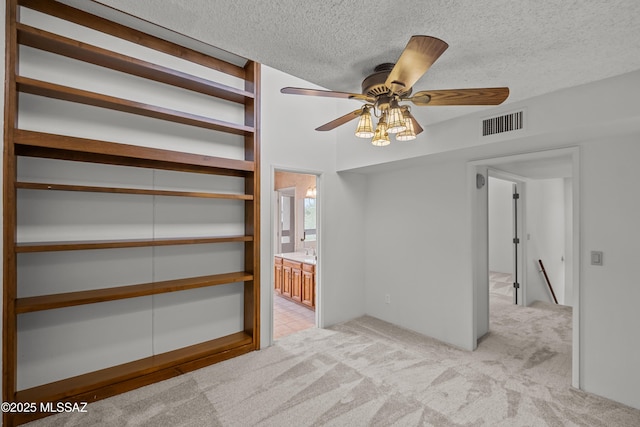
[(295, 263)]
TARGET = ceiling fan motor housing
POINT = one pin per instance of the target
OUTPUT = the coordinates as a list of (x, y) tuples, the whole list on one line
[(374, 84)]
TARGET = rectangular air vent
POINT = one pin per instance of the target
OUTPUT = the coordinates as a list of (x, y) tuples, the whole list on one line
[(506, 123)]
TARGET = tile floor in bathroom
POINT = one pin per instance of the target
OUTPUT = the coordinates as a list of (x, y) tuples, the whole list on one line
[(289, 317)]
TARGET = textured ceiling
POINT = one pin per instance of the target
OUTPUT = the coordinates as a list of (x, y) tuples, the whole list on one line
[(533, 47)]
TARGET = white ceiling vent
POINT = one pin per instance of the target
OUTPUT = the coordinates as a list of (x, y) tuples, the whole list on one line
[(505, 123)]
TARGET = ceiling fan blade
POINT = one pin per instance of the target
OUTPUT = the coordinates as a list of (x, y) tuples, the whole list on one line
[(325, 93), (478, 96), (415, 60), (420, 98), (340, 120)]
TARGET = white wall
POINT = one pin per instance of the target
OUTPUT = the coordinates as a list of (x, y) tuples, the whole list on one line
[(546, 239), (289, 142), (479, 197), (610, 293), (568, 239), (500, 225), (417, 250), (608, 132)]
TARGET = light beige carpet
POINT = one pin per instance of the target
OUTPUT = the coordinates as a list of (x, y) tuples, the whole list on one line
[(367, 372)]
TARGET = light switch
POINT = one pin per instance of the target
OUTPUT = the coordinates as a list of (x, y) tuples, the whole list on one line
[(596, 257)]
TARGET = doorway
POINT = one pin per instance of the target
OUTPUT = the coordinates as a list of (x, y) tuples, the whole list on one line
[(295, 264), (546, 175)]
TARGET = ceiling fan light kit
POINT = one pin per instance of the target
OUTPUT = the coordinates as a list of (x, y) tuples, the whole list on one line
[(409, 133), (381, 136), (395, 121), (365, 127), (391, 84)]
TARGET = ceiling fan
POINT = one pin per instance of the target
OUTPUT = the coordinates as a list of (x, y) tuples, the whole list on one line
[(391, 84)]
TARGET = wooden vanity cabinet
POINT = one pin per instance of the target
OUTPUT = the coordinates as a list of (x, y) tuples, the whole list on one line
[(277, 276), (295, 280), (308, 285), (292, 279), (286, 279)]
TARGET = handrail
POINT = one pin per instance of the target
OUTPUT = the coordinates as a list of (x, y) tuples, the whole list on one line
[(548, 282)]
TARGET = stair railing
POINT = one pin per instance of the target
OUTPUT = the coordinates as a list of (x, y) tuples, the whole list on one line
[(548, 282)]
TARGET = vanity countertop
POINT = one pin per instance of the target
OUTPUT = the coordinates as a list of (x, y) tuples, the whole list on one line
[(299, 257)]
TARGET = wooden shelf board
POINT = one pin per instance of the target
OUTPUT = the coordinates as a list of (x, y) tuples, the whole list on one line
[(103, 25), (69, 299), (111, 376), (65, 93), (39, 144), (122, 190), (135, 382), (115, 244), (56, 44)]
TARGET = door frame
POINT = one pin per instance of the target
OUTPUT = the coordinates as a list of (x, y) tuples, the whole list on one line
[(478, 220), (319, 312)]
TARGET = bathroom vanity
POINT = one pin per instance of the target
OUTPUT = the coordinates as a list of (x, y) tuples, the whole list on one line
[(295, 278)]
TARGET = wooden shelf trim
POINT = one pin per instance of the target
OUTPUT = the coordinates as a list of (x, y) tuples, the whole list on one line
[(65, 93), (43, 40), (83, 149), (69, 299), (123, 190), (118, 244), (110, 377), (103, 25)]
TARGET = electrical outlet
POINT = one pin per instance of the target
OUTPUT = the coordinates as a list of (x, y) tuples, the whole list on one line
[(387, 299), (596, 257)]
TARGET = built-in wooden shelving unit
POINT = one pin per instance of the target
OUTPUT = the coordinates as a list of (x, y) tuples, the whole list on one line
[(65, 93), (39, 39), (123, 190), (49, 302), (123, 243), (95, 385), (37, 144)]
